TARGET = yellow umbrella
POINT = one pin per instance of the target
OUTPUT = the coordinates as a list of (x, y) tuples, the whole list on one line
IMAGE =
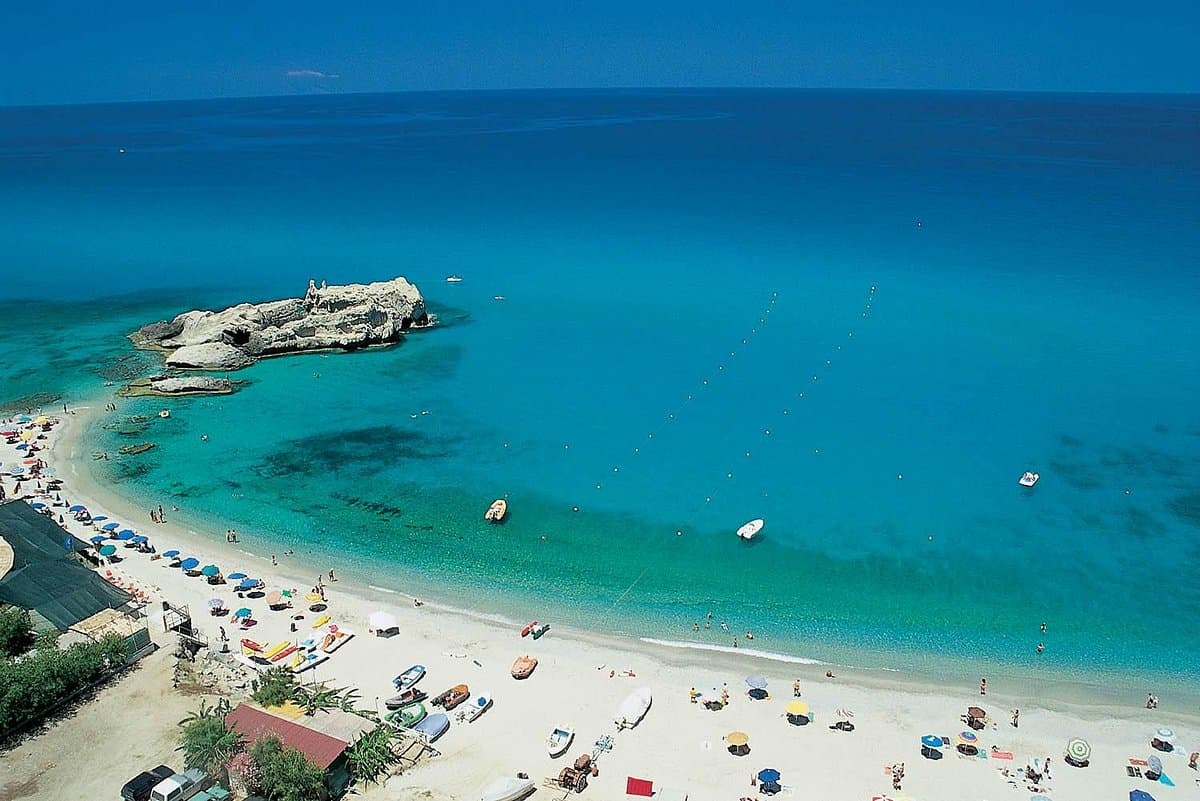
[(737, 738), (41, 420), (27, 434), (797, 708)]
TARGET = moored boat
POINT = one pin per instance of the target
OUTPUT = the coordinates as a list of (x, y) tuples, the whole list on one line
[(751, 529), (524, 666), (453, 279), (507, 789), (409, 677), (1028, 479), (496, 511), (559, 741)]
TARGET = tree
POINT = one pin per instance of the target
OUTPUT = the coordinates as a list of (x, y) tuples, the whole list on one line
[(319, 698), (285, 773), (206, 741), (371, 754), (275, 686), (14, 630)]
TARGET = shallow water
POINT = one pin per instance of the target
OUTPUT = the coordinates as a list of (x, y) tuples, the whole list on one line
[(1041, 316)]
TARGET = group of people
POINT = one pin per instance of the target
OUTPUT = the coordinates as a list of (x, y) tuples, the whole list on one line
[(897, 775)]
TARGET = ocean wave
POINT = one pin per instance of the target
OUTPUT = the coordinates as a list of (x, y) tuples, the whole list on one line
[(729, 649)]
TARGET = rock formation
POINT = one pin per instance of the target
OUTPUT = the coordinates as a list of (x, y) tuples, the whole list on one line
[(326, 318), (184, 385)]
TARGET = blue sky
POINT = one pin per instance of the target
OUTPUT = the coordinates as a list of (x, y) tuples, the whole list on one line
[(54, 52)]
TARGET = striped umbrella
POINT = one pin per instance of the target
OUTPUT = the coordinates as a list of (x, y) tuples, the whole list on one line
[(1166, 735), (968, 738), (1079, 749)]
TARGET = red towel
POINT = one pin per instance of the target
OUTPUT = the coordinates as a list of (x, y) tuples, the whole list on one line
[(643, 787)]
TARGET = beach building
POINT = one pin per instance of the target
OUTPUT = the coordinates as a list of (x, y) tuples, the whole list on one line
[(323, 738), (39, 571)]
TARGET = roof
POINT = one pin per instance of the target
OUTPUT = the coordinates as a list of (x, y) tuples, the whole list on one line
[(45, 578), (253, 723)]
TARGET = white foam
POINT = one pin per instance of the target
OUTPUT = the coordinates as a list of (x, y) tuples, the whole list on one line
[(729, 649), (382, 589)]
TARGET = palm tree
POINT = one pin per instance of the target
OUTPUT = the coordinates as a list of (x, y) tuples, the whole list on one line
[(349, 699), (371, 754), (206, 742), (317, 699)]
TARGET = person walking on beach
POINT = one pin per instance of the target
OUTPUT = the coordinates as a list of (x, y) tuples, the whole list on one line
[(274, 562), (983, 686), (796, 688), (1016, 716)]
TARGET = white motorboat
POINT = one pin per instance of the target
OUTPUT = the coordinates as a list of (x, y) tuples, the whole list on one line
[(453, 279), (507, 789), (750, 530), (477, 706), (633, 708), (1028, 479), (560, 740)]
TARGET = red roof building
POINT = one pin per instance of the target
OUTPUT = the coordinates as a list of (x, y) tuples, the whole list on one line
[(253, 724)]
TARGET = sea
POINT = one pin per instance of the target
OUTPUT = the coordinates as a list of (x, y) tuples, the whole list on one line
[(859, 316)]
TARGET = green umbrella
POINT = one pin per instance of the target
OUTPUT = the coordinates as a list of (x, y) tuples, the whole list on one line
[(1079, 750), (108, 550), (209, 570)]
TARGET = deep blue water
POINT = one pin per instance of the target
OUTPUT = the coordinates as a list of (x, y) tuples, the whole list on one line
[(1034, 264)]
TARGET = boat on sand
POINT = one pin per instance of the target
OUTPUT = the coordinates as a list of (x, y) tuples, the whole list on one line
[(530, 626), (452, 697), (560, 740), (477, 706), (496, 511), (507, 789), (406, 716), (751, 529), (409, 696), (409, 677), (524, 666), (633, 708), (433, 726)]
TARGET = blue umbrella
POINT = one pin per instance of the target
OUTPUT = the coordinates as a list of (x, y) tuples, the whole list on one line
[(1140, 795), (139, 539), (236, 576), (79, 507), (171, 554), (210, 570), (110, 527), (768, 775), (243, 612), (37, 505), (99, 538), (126, 534), (248, 584), (23, 447), (98, 518), (756, 682), (16, 471), (24, 419), (931, 741), (191, 563)]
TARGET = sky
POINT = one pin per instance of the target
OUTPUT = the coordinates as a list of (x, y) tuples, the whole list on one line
[(75, 52)]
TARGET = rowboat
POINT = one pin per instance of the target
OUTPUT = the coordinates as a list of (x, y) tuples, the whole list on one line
[(409, 696), (530, 626), (559, 741), (749, 530), (433, 726), (524, 666), (1028, 479), (507, 789), (496, 511), (452, 697), (633, 708), (477, 706), (406, 716), (409, 677)]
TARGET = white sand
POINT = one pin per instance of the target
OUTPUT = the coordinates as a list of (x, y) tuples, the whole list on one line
[(678, 745)]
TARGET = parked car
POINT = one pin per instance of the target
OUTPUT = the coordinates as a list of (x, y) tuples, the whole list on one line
[(138, 788), (181, 786)]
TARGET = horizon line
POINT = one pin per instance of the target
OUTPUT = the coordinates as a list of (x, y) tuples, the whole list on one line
[(601, 89)]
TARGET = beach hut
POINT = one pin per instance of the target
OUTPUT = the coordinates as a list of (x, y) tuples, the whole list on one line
[(1079, 753), (798, 713), (931, 746), (383, 624), (968, 743), (738, 743)]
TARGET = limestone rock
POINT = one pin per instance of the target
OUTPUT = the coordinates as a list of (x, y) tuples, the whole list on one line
[(327, 317), (188, 385)]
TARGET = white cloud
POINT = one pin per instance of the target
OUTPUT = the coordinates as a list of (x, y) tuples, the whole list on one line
[(311, 74)]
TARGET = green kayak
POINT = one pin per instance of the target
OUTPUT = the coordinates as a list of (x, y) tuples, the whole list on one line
[(406, 716)]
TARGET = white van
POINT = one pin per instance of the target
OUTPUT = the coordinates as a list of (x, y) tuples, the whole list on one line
[(181, 786)]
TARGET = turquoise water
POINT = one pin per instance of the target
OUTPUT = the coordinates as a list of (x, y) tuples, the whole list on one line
[(1041, 316)]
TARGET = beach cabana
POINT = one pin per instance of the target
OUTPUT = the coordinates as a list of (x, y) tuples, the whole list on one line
[(798, 713), (968, 743), (738, 743), (1079, 752), (931, 746), (383, 624), (768, 781)]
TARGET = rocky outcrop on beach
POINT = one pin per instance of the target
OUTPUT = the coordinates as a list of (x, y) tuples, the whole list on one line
[(167, 386), (326, 318)]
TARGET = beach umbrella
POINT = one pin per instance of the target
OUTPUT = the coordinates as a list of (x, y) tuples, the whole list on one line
[(191, 563), (976, 712), (248, 584), (243, 612), (37, 506), (1079, 750), (797, 708), (126, 534), (768, 775), (313, 597), (215, 603), (1166, 735), (98, 518), (99, 538), (16, 471), (738, 738), (1154, 764), (968, 738), (79, 507), (139, 539), (1140, 795), (41, 420), (210, 570), (756, 682), (110, 527), (171, 554), (274, 598), (108, 550), (236, 576), (24, 418), (931, 741)]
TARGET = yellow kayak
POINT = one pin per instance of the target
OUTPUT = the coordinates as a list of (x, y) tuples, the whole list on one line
[(296, 660), (276, 649), (321, 621)]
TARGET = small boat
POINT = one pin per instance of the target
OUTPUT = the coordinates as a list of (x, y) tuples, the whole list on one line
[(409, 677), (524, 666), (164, 414), (433, 726), (560, 740), (409, 696), (275, 649), (453, 279), (633, 708), (251, 645), (285, 653), (748, 531), (311, 662), (1028, 479), (507, 789), (497, 297), (528, 628), (496, 511), (540, 630), (477, 706), (335, 639), (452, 697), (321, 621), (406, 716)]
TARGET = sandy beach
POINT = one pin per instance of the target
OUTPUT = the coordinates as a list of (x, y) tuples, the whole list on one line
[(582, 679)]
